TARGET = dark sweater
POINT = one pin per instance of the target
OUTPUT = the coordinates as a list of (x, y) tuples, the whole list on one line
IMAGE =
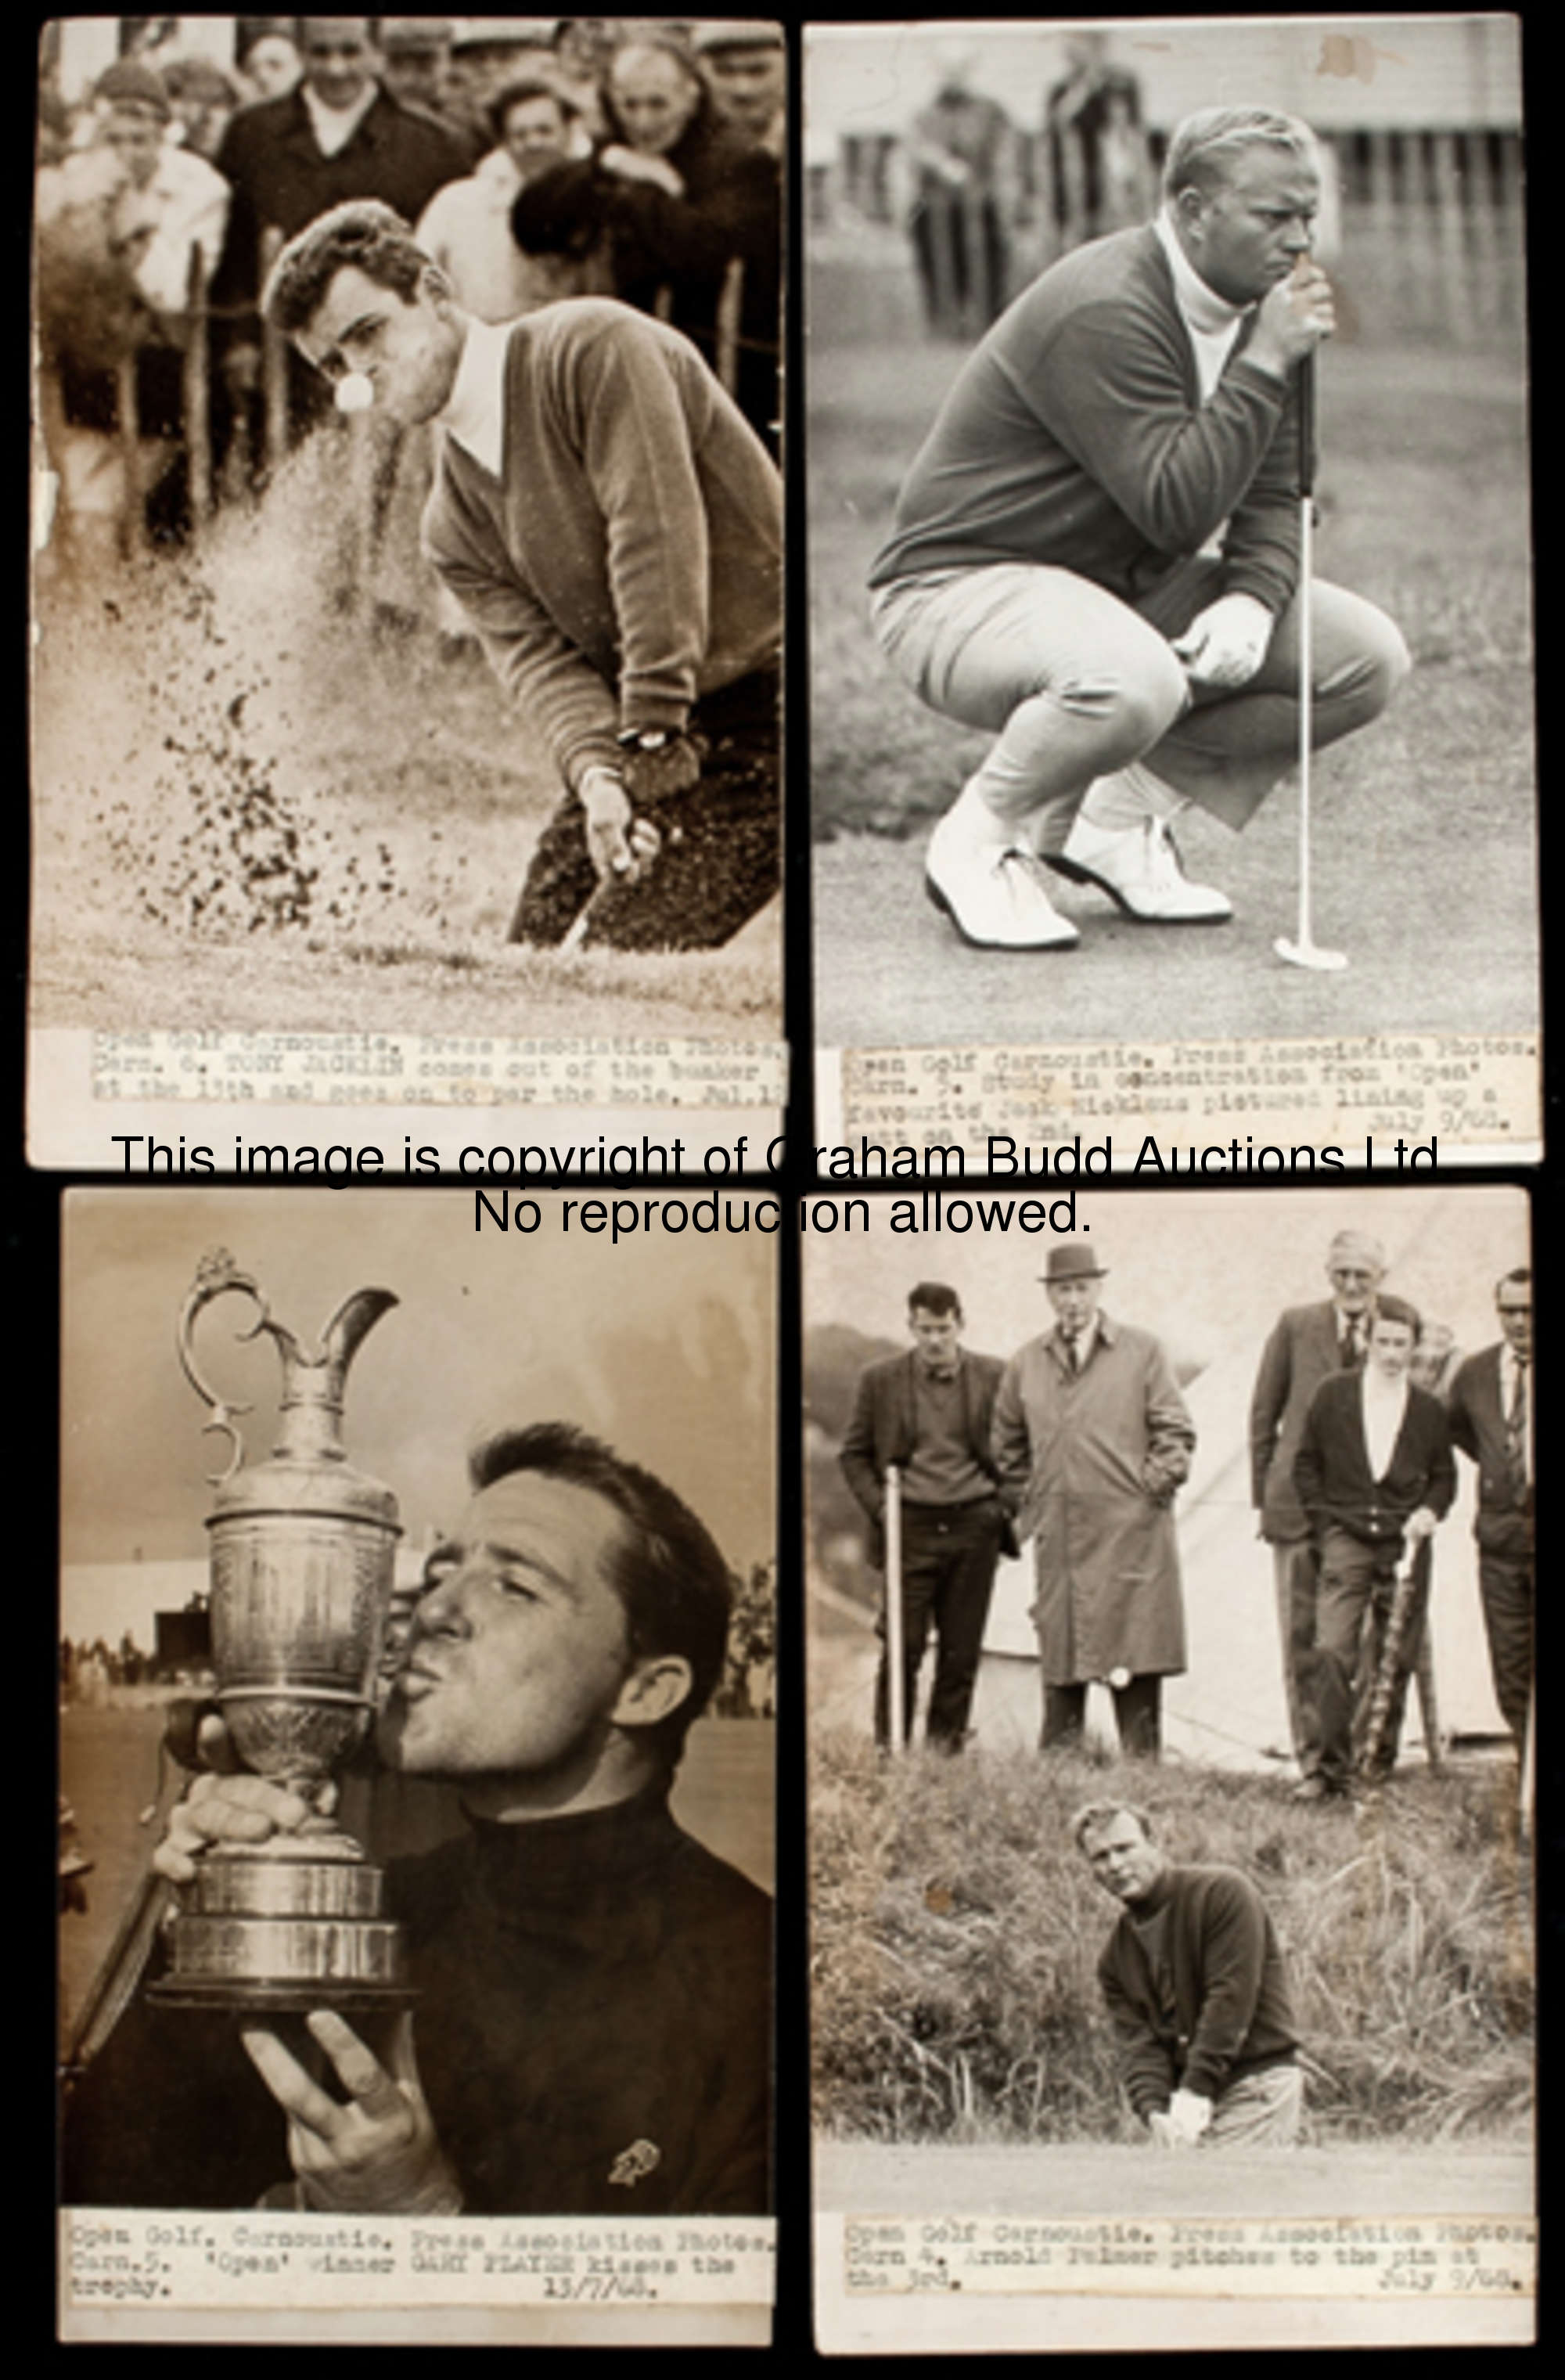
[(585, 1984), (1231, 2010), (1332, 1469), (630, 555), (1074, 436)]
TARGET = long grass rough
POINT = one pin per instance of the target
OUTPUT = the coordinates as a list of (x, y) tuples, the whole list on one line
[(956, 1933)]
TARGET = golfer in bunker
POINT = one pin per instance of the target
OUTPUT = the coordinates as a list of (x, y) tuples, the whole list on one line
[(1097, 554), (613, 527)]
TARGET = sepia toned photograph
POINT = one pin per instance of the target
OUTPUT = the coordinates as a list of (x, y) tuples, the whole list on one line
[(1171, 668), (1169, 1614), (418, 1702), (407, 530)]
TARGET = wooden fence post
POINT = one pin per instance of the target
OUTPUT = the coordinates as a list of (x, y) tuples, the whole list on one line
[(195, 380), (274, 363)]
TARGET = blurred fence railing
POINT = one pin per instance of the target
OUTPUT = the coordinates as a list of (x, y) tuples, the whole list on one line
[(1429, 234), (237, 478)]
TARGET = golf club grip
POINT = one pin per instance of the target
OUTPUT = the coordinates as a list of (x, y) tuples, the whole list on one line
[(1306, 426)]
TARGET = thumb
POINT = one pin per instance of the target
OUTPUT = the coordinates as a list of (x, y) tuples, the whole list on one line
[(401, 2058)]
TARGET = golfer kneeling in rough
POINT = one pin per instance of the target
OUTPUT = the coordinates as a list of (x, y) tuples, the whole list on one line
[(1097, 553), (613, 527), (1197, 1989)]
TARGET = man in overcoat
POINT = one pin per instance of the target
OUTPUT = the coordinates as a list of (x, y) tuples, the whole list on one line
[(1309, 1343), (1491, 1420), (1092, 1440), (929, 1413)]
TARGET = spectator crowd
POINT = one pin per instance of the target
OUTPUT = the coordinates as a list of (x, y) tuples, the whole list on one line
[(536, 159)]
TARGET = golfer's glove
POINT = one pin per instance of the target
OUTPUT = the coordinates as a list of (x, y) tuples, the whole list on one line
[(657, 764), (1189, 2115), (1226, 644)]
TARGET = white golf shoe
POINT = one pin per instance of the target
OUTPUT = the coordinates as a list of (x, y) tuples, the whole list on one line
[(994, 891), (1139, 867)]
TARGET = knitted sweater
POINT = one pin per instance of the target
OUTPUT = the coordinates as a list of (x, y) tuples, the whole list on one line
[(1231, 2008), (591, 2026), (629, 557), (1075, 435)]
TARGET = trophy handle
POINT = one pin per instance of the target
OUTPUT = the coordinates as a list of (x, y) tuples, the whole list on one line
[(312, 1385), (215, 1275)]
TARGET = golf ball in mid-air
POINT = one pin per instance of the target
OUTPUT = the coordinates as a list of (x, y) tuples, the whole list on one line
[(355, 393), (1119, 1679)]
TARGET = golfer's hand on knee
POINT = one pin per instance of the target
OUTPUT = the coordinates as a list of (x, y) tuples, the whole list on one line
[(621, 845), (1226, 644), (1292, 319), (375, 2154)]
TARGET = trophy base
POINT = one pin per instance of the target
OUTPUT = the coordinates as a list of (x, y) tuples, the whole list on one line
[(258, 1997), (292, 1924)]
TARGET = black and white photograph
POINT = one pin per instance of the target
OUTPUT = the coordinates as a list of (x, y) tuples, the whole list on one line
[(417, 1703), (1170, 670), (1170, 1611), (407, 527)]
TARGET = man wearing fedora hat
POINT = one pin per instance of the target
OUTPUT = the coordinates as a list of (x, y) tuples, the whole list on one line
[(1092, 1441)]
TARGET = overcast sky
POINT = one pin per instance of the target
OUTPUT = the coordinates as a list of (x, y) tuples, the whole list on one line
[(664, 1347), (1208, 1271)]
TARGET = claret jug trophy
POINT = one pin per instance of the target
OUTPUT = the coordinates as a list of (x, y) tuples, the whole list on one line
[(302, 1553)]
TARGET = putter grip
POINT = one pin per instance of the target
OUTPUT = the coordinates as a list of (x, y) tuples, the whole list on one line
[(1306, 426)]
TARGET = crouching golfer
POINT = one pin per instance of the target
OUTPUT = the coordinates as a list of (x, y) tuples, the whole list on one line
[(1095, 554), (1196, 1984), (613, 527)]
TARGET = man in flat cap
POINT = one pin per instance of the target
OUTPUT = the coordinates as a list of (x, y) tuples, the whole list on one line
[(928, 1413), (745, 66), (1309, 1344), (1091, 1441), (1376, 1476)]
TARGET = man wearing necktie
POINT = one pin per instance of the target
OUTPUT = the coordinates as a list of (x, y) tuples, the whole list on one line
[(1491, 1420), (1092, 1441), (1308, 1345), (928, 1413)]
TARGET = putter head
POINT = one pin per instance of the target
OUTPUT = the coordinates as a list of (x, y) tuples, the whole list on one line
[(1309, 955)]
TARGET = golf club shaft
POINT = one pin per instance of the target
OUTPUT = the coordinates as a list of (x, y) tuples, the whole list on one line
[(1307, 651), (896, 1697)]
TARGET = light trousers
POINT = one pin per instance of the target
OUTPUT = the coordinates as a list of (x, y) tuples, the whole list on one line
[(1073, 684)]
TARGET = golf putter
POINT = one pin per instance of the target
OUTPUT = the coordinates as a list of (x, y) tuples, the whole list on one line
[(1304, 951)]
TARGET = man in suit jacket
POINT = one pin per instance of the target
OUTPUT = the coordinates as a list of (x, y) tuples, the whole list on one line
[(1374, 1474), (1308, 1345), (1491, 1419), (929, 1413), (337, 135)]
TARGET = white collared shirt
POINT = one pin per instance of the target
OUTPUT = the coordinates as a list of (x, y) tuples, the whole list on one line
[(1508, 1369), (473, 413), (1077, 1356), (1384, 1404), (1212, 323), (335, 127)]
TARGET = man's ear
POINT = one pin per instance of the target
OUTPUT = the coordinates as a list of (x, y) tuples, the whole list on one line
[(655, 1688), (433, 283)]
